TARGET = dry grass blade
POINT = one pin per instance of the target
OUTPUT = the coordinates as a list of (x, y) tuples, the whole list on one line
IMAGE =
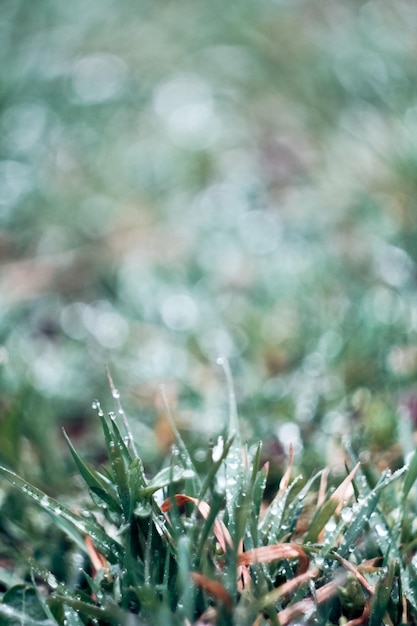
[(285, 480), (359, 577), (341, 490), (288, 587), (220, 531), (214, 588), (308, 605), (333, 505), (321, 496), (266, 554), (98, 561)]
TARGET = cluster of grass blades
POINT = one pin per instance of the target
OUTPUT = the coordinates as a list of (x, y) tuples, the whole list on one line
[(183, 549)]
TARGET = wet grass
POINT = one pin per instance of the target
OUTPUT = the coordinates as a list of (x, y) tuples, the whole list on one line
[(183, 181), (184, 547)]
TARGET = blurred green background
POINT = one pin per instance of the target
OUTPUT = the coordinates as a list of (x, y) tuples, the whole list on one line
[(185, 179)]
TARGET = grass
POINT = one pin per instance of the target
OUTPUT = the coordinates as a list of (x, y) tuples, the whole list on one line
[(186, 547), (184, 179)]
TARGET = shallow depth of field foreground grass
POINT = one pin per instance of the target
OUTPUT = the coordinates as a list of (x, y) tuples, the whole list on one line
[(187, 547)]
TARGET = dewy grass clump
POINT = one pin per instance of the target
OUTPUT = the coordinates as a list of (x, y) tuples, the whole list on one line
[(185, 549)]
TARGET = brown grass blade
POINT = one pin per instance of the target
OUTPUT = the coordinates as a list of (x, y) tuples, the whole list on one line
[(214, 588), (98, 561), (341, 490), (277, 551), (285, 480), (308, 605), (288, 587), (219, 528)]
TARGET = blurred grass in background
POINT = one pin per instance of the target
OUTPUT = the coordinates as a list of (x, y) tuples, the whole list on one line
[(185, 179)]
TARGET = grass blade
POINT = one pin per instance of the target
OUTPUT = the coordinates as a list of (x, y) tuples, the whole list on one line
[(411, 475), (363, 512), (117, 451), (77, 527), (108, 614), (325, 512), (92, 478), (24, 599), (382, 596), (167, 476), (184, 454)]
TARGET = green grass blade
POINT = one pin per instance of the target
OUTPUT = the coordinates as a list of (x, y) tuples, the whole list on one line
[(258, 484), (214, 469), (411, 475), (116, 451), (215, 507), (111, 502), (320, 519), (24, 602), (116, 395), (280, 517), (360, 483), (164, 478), (382, 596), (72, 618), (328, 508), (120, 441), (87, 474), (386, 538), (408, 578), (121, 478), (233, 416), (258, 480), (45, 574), (107, 614), (92, 479), (136, 482), (184, 454), (363, 512), (77, 527), (9, 616), (233, 462)]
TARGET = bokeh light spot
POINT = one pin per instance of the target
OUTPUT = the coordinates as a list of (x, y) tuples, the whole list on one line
[(98, 78)]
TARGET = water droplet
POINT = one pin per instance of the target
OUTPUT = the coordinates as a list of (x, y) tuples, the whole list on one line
[(347, 514), (380, 530), (112, 415), (331, 525), (115, 393), (96, 406), (45, 501), (217, 450), (52, 581)]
